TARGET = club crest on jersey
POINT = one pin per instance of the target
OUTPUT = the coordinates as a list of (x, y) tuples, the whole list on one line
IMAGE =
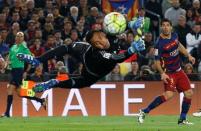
[(106, 55)]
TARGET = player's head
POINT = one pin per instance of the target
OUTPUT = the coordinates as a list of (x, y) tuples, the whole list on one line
[(166, 27), (19, 37), (98, 39)]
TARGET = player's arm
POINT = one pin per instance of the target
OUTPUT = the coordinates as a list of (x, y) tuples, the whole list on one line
[(118, 58), (157, 63), (183, 50), (135, 47)]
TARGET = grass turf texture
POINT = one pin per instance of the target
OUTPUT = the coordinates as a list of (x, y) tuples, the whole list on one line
[(152, 123)]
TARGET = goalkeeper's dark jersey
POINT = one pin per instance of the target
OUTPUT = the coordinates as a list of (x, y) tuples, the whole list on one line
[(96, 63)]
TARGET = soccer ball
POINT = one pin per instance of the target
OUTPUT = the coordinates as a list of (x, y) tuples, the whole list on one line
[(114, 23)]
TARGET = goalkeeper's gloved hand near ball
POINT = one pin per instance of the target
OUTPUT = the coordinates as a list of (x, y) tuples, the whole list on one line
[(136, 24), (136, 46)]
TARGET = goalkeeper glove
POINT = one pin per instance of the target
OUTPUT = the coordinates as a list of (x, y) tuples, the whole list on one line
[(136, 46), (135, 24)]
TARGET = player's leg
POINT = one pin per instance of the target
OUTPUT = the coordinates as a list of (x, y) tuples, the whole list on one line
[(42, 101), (168, 94), (183, 85), (58, 51), (10, 90), (155, 103), (15, 81), (74, 82)]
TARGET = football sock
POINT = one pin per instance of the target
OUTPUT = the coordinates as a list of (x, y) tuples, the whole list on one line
[(9, 103), (34, 98), (185, 108), (156, 102)]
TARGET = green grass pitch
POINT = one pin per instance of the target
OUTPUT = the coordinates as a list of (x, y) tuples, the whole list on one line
[(112, 123)]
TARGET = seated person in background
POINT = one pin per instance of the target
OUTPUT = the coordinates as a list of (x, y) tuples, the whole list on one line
[(135, 73), (188, 69), (39, 75), (54, 71), (146, 74), (62, 73), (115, 75)]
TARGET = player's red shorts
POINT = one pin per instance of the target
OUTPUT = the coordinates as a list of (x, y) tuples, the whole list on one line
[(178, 81)]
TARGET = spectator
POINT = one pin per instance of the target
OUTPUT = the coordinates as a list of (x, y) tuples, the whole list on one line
[(115, 75), (41, 16), (188, 69), (64, 9), (196, 10), (30, 6), (48, 30), (146, 74), (30, 32), (11, 35), (182, 29), (146, 56), (3, 23), (4, 49), (165, 5), (74, 35), (81, 30), (174, 12), (189, 17), (54, 71), (93, 14), (67, 29), (58, 19), (58, 40), (37, 48), (193, 39), (49, 18), (39, 75), (62, 74), (15, 18), (24, 18), (135, 73), (74, 15), (48, 7), (4, 34), (16, 6)]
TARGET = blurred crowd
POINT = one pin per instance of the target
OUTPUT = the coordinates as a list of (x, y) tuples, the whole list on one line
[(50, 23)]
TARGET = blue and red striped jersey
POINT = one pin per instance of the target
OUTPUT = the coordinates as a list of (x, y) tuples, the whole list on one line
[(166, 49)]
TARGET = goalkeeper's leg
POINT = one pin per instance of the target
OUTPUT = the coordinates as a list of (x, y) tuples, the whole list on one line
[(59, 51), (75, 82)]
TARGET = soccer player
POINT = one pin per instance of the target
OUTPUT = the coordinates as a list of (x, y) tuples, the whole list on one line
[(168, 48), (99, 56), (17, 70)]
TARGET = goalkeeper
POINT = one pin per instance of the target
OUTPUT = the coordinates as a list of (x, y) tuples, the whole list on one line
[(99, 55)]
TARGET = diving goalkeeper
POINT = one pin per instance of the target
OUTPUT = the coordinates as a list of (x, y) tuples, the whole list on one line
[(99, 55)]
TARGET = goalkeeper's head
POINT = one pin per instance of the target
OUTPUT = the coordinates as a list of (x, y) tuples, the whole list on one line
[(97, 39)]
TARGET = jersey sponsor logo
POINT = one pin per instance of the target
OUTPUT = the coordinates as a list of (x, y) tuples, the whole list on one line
[(171, 45), (174, 52)]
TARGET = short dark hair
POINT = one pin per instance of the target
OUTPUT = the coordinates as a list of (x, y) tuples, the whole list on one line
[(166, 20), (90, 34)]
